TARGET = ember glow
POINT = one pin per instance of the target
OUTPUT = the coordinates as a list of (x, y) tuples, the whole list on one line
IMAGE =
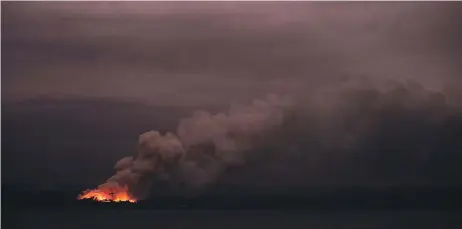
[(107, 196)]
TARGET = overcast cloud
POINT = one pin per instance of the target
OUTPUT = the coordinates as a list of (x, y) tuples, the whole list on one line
[(197, 53)]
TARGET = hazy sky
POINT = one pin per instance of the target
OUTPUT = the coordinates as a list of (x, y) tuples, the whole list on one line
[(204, 53), (196, 53)]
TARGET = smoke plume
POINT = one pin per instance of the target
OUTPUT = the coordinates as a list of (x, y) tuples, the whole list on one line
[(367, 133), (362, 133), (203, 146)]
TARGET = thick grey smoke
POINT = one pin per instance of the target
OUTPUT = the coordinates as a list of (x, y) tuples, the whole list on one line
[(366, 132), (363, 133), (203, 147)]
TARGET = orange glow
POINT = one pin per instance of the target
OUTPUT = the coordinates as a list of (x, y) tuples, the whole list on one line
[(104, 196)]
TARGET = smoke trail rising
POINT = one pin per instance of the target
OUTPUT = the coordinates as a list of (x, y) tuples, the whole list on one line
[(367, 133), (203, 146)]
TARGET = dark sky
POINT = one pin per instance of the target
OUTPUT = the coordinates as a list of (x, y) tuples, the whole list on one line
[(195, 53), (178, 56)]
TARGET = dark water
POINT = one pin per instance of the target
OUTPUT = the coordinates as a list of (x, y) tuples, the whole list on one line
[(154, 219)]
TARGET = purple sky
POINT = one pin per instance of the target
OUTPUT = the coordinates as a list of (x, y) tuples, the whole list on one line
[(199, 53), (202, 54)]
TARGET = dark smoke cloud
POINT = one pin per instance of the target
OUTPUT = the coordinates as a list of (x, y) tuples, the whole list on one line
[(202, 148), (355, 134), (364, 134)]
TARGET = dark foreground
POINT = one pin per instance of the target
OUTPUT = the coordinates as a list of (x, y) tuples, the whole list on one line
[(392, 208), (140, 219)]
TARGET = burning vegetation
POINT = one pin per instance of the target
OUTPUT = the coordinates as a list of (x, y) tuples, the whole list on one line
[(102, 195)]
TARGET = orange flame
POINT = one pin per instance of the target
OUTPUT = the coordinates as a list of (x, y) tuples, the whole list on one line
[(106, 196)]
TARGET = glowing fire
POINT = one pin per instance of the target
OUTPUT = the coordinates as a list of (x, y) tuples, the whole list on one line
[(107, 196)]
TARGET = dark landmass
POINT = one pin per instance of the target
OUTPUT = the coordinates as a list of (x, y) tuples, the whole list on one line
[(315, 199)]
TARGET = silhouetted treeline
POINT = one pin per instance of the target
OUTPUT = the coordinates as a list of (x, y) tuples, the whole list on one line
[(315, 199)]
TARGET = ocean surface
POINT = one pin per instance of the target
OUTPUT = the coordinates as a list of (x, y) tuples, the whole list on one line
[(265, 219)]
